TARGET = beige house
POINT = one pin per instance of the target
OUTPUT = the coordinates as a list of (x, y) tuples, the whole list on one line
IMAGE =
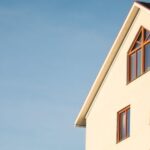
[(116, 112)]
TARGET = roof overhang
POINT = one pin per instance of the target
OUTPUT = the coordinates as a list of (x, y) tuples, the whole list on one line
[(81, 118)]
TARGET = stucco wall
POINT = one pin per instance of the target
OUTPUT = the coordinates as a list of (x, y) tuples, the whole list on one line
[(115, 94)]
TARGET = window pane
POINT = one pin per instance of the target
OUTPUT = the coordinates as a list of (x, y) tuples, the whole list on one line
[(148, 38), (140, 37), (133, 66), (147, 57), (128, 122), (123, 125), (139, 63), (136, 46), (147, 35)]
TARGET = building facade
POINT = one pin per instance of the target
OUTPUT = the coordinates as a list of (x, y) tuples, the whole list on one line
[(116, 112)]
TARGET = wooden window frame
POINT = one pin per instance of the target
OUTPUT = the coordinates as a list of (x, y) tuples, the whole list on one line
[(133, 50), (124, 110)]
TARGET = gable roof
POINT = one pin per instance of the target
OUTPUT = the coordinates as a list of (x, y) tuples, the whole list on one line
[(81, 118)]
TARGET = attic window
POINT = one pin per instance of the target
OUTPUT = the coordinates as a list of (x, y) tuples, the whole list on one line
[(123, 124), (139, 55)]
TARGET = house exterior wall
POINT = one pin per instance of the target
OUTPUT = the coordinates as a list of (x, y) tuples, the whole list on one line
[(115, 94)]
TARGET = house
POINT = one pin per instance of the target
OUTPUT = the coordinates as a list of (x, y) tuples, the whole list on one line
[(116, 112)]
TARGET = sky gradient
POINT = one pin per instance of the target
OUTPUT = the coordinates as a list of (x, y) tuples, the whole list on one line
[(51, 52)]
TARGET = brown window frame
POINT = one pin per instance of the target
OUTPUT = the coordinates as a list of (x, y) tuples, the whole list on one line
[(127, 130), (134, 50)]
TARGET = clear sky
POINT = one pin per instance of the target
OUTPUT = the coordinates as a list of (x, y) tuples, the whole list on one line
[(50, 54)]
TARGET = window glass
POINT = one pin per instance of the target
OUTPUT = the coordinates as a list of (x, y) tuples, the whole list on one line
[(139, 63), (148, 38), (139, 38), (123, 125), (136, 46), (147, 35), (147, 57), (133, 66), (128, 122)]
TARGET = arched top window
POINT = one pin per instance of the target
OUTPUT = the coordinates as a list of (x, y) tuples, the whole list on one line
[(139, 55)]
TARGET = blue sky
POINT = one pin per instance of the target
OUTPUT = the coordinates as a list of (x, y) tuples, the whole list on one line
[(51, 52)]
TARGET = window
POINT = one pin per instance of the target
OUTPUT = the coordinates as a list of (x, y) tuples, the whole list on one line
[(139, 55), (123, 124)]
